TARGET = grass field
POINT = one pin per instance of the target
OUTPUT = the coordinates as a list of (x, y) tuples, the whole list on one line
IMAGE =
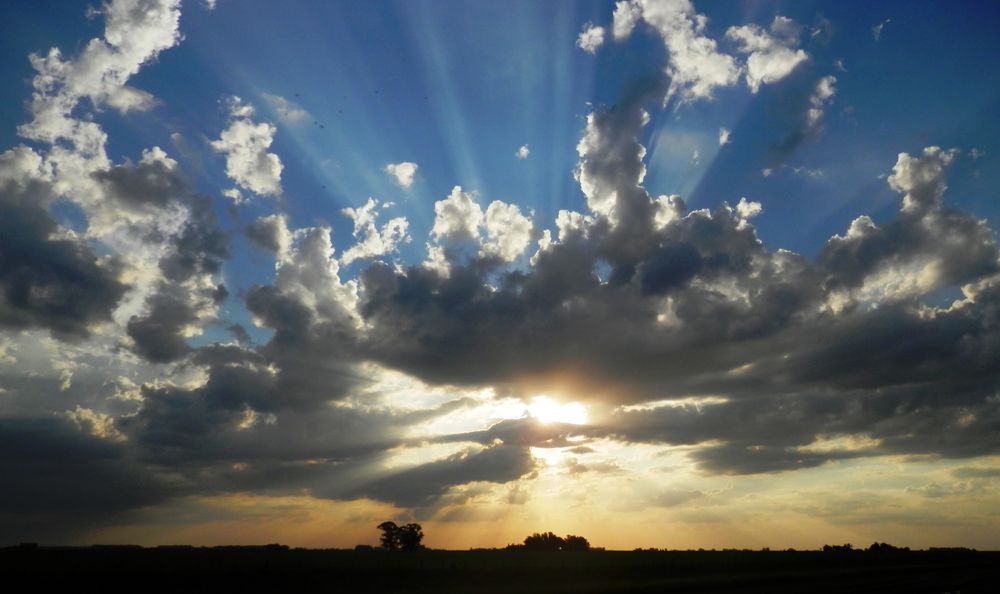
[(274, 569)]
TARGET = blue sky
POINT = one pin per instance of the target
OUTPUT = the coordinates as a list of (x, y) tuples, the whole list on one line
[(464, 85), (842, 127)]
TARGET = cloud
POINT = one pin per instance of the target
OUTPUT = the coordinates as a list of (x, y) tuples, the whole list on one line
[(676, 327), (770, 55), (49, 278), (508, 232), (591, 38), (806, 111), (68, 480), (271, 233), (747, 210), (696, 305), (288, 111), (821, 97), (372, 240), (245, 145), (523, 152), (135, 32), (877, 29), (695, 66), (457, 217), (423, 485), (403, 173)]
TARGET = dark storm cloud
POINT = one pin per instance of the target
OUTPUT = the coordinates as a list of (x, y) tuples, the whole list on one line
[(59, 481), (45, 281)]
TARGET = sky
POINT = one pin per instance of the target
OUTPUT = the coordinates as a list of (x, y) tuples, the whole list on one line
[(658, 272)]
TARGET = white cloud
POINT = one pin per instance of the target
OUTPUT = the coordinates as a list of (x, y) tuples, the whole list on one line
[(245, 145), (309, 271), (134, 34), (402, 172), (921, 179), (626, 17), (508, 232), (288, 111), (373, 240), (235, 195), (821, 97), (457, 217), (770, 56), (723, 136), (591, 38), (523, 152), (748, 210), (695, 66)]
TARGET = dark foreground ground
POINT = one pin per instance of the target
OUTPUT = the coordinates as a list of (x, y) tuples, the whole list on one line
[(264, 569)]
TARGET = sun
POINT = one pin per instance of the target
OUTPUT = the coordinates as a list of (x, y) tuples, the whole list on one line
[(547, 410)]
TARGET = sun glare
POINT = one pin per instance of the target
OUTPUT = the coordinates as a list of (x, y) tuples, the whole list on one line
[(547, 410)]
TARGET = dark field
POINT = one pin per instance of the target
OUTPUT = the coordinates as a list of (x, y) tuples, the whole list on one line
[(263, 569)]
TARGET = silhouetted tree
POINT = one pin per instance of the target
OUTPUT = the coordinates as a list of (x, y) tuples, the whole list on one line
[(546, 541), (390, 538), (410, 537), (884, 547), (575, 543), (838, 548), (406, 538)]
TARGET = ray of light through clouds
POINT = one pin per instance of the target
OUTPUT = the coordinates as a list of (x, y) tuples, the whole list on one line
[(261, 286)]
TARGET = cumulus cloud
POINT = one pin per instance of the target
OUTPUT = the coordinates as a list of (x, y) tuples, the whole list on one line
[(373, 240), (402, 173), (135, 32), (48, 279), (695, 65), (245, 145), (508, 232), (523, 152), (723, 136), (457, 217), (271, 233), (699, 295), (591, 38), (770, 54), (747, 210)]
